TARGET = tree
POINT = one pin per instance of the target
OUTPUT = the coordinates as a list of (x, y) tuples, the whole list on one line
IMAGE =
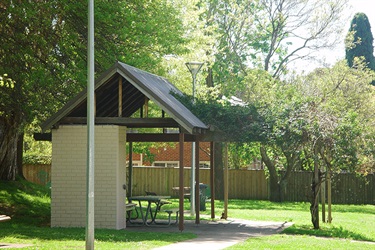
[(296, 29), (44, 53), (281, 148), (359, 41), (320, 122), (270, 34), (339, 128)]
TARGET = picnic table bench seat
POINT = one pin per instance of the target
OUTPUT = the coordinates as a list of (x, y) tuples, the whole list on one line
[(130, 207), (170, 212), (186, 192), (169, 221)]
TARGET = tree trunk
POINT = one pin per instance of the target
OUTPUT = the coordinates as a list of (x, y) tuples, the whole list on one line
[(218, 171), (19, 155), (292, 162), (9, 135), (275, 189), (329, 196), (209, 78), (315, 187)]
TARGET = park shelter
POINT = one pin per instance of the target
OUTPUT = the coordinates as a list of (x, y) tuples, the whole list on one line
[(122, 94)]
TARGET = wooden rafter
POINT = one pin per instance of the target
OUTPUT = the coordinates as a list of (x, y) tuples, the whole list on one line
[(125, 121)]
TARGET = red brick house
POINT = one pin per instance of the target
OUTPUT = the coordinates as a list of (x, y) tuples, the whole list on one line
[(168, 156)]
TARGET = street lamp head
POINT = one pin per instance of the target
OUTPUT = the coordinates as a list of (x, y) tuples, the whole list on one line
[(194, 67)]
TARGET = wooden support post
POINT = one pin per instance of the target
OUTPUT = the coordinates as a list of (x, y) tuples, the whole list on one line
[(212, 179), (197, 189), (94, 106), (146, 107), (181, 184), (120, 97), (130, 181), (225, 214)]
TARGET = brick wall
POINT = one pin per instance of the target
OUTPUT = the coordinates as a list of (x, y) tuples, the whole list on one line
[(68, 178), (170, 152)]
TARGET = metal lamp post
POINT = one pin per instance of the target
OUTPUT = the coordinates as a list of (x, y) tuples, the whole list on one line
[(194, 68), (90, 172)]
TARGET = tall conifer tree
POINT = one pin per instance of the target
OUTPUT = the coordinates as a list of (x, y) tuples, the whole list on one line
[(359, 41)]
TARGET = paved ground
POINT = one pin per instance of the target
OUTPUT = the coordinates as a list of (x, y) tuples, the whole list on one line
[(216, 235)]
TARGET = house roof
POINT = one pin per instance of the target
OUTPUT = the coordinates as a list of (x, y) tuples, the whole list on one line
[(135, 86)]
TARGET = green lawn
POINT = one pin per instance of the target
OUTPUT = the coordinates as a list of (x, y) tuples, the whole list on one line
[(29, 206), (352, 226)]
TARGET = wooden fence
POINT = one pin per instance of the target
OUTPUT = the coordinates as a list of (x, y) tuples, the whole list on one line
[(243, 184), (39, 174), (346, 188)]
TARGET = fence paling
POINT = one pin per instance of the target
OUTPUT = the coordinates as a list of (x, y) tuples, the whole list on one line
[(243, 184)]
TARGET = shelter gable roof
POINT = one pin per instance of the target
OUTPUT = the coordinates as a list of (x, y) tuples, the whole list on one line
[(136, 86)]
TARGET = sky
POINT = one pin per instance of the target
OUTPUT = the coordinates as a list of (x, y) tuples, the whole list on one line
[(355, 6), (367, 7)]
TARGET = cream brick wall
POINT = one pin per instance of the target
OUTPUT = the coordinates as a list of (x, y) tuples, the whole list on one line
[(68, 177)]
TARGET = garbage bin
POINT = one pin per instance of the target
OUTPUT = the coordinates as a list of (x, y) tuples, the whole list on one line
[(202, 196)]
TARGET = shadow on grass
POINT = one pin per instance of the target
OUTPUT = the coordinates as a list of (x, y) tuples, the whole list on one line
[(25, 202), (337, 232)]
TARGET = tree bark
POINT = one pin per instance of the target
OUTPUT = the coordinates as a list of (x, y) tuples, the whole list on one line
[(218, 171), (275, 189), (9, 134), (329, 196), (292, 161), (315, 187), (19, 155)]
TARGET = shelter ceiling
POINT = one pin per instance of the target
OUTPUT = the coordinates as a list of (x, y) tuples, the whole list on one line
[(123, 90)]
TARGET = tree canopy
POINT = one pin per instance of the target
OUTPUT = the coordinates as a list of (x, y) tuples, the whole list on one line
[(44, 53)]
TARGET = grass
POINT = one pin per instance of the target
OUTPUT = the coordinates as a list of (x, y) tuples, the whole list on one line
[(352, 226), (349, 221), (70, 238), (29, 206), (285, 241)]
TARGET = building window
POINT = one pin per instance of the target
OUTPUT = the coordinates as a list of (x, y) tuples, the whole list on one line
[(166, 164), (135, 163), (204, 164)]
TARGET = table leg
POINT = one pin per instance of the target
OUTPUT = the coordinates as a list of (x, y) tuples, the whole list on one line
[(148, 210), (156, 210), (140, 208)]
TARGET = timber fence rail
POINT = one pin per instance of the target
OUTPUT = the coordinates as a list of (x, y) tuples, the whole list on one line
[(243, 184)]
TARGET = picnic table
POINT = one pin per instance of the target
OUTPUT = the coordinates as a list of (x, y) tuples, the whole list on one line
[(157, 200), (186, 192)]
